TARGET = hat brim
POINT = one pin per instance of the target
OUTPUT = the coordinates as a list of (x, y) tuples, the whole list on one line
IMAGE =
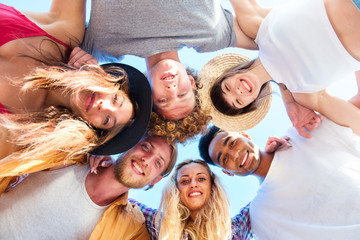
[(207, 77), (141, 92)]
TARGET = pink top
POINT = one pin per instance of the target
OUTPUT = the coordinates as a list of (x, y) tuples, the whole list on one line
[(3, 109), (15, 25)]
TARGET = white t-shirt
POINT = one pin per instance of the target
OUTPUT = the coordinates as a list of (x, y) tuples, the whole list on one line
[(49, 205), (299, 47), (312, 190)]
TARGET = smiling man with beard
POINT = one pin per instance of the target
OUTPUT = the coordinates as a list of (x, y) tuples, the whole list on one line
[(68, 203), (308, 191)]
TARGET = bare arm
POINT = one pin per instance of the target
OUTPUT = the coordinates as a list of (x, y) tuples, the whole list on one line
[(356, 99), (339, 111), (242, 40), (249, 16), (72, 13), (66, 10), (65, 19)]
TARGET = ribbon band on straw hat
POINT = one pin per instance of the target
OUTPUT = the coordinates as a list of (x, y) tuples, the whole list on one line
[(208, 75)]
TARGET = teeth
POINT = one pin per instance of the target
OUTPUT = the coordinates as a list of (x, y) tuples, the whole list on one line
[(169, 77), (246, 86), (194, 194), (244, 159), (138, 168)]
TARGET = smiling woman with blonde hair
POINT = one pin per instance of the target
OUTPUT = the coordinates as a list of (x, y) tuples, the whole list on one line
[(194, 206)]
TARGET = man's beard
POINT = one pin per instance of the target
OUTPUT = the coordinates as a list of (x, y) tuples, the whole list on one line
[(124, 175)]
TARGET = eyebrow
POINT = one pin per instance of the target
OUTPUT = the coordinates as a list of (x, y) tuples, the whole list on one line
[(201, 173), (161, 157), (164, 162), (186, 175), (225, 142), (114, 124), (152, 146)]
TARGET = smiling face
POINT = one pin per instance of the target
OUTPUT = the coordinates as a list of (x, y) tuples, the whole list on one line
[(194, 184), (234, 153), (172, 89), (102, 110), (241, 89), (144, 163)]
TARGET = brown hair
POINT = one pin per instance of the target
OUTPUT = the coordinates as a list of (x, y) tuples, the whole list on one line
[(217, 97)]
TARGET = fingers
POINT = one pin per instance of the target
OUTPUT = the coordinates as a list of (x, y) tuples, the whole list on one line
[(106, 163), (79, 57), (94, 162), (75, 54), (275, 143), (303, 132), (99, 160), (313, 123), (283, 140), (272, 147)]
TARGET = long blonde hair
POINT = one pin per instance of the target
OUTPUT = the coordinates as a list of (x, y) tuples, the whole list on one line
[(56, 136), (212, 222)]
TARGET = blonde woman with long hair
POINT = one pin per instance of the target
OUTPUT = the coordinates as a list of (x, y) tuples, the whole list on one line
[(52, 114), (194, 206)]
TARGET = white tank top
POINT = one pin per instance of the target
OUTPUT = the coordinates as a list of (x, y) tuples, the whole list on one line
[(298, 47)]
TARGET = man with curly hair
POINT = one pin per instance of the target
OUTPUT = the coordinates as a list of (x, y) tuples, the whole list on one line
[(301, 186), (185, 128)]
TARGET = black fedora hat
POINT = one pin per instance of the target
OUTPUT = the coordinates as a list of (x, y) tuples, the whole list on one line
[(140, 91)]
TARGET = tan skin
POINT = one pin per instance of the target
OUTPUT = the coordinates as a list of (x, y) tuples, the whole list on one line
[(250, 16), (237, 155), (65, 18), (103, 187), (172, 99), (194, 184)]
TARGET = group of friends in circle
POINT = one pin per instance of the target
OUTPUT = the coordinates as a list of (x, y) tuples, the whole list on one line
[(63, 116)]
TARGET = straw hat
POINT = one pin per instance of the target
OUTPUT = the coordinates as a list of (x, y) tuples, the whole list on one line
[(207, 77)]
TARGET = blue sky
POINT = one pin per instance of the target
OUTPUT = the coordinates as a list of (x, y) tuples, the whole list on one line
[(240, 190)]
